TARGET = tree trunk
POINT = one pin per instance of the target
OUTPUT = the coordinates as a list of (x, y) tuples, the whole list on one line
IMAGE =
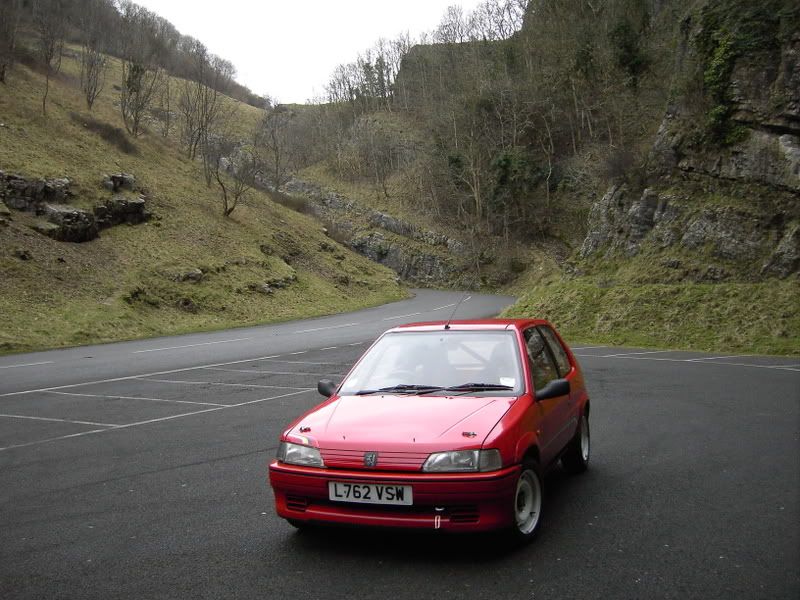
[(46, 91)]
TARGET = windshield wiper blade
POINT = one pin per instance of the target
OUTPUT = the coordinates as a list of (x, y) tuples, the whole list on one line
[(401, 388), (478, 387)]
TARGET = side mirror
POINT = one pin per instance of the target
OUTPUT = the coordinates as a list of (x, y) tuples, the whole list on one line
[(554, 389), (326, 387)]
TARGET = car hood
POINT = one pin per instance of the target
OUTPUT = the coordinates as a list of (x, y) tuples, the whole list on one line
[(402, 423)]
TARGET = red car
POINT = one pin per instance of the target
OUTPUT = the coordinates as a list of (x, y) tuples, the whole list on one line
[(439, 426)]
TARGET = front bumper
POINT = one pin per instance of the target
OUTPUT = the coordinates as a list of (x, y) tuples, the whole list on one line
[(448, 501)]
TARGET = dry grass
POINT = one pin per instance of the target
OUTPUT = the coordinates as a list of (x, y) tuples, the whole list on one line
[(122, 285)]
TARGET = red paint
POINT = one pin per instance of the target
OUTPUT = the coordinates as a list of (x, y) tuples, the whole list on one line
[(405, 429)]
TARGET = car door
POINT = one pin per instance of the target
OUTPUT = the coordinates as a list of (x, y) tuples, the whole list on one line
[(565, 371), (553, 413)]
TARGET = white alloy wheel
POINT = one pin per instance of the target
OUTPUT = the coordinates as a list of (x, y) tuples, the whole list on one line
[(528, 502), (585, 440)]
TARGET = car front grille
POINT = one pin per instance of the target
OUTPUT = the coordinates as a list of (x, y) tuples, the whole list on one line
[(387, 461)]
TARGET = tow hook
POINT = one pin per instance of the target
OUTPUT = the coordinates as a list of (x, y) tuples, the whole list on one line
[(437, 519)]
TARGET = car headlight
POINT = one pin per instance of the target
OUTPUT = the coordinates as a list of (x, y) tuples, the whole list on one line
[(463, 461), (297, 454)]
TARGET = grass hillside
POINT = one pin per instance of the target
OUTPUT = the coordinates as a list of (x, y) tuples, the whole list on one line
[(124, 284)]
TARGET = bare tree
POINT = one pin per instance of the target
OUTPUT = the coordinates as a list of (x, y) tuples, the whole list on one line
[(141, 75), (139, 86), (453, 28), (165, 104), (274, 140), (50, 23), (202, 103), (233, 168), (93, 62), (10, 11)]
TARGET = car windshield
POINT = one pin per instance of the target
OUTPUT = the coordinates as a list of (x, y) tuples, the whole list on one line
[(439, 362)]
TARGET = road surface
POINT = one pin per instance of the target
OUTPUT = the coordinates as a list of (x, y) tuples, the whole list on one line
[(137, 470)]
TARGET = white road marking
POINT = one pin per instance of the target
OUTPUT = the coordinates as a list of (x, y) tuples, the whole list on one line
[(329, 348), (326, 328), (296, 353), (135, 398), (129, 377), (443, 307), (149, 421), (59, 420), (718, 357), (244, 385), (589, 348), (401, 316), (46, 362), (692, 361), (633, 353), (305, 362), (192, 345), (268, 373), (357, 344)]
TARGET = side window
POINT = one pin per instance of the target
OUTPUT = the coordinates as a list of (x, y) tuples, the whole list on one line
[(542, 367), (562, 360)]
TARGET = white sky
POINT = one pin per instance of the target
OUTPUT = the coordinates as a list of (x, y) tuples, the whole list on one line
[(289, 48)]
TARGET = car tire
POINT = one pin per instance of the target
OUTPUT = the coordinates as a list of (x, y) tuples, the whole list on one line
[(527, 506), (576, 457)]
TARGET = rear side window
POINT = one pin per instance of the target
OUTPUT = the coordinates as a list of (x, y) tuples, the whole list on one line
[(542, 366), (562, 360)]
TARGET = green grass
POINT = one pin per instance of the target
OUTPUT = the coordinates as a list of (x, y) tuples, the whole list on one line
[(761, 318), (121, 285)]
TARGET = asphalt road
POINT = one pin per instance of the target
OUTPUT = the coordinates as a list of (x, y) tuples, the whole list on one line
[(137, 470)]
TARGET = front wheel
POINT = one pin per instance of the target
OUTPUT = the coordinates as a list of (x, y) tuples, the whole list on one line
[(527, 503), (576, 457)]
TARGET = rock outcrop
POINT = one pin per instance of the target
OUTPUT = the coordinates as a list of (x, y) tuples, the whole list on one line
[(30, 195), (48, 198), (417, 255), (736, 199)]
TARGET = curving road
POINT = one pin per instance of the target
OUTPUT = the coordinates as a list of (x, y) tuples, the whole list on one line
[(137, 470)]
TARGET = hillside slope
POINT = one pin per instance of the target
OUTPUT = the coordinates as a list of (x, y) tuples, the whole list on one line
[(700, 246), (187, 268)]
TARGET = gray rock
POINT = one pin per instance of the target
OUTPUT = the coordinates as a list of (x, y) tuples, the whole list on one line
[(728, 233), (410, 263), (51, 230), (339, 210), (30, 195), (119, 181), (261, 288), (74, 224), (785, 260), (192, 275), (121, 209)]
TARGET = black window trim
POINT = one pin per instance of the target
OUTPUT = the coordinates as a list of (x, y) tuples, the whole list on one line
[(552, 354), (547, 349)]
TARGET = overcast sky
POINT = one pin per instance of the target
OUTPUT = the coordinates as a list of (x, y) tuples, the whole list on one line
[(288, 48)]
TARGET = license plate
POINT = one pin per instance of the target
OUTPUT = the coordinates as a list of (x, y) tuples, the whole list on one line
[(370, 493)]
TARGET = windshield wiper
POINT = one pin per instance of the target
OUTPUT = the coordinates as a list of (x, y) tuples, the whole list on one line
[(478, 387), (401, 388)]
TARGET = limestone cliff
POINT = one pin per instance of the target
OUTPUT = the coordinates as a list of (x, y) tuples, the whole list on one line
[(721, 187)]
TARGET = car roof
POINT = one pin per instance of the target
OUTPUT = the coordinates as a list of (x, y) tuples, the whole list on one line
[(471, 325)]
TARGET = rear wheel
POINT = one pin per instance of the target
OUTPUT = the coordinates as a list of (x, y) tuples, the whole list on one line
[(527, 503), (576, 457)]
